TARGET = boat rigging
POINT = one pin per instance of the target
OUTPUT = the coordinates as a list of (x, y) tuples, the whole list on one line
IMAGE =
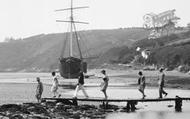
[(70, 66)]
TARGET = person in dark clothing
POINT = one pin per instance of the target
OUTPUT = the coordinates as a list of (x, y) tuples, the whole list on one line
[(39, 89), (161, 81), (80, 85), (142, 84)]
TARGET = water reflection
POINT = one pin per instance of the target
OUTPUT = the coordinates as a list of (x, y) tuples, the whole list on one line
[(149, 115)]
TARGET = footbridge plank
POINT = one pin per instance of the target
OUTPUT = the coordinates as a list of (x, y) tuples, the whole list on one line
[(119, 100)]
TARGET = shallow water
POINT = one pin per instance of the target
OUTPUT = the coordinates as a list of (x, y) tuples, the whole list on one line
[(150, 115)]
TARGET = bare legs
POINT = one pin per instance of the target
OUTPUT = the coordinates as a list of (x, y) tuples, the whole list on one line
[(161, 91), (142, 91), (105, 94), (80, 87), (55, 92), (38, 97)]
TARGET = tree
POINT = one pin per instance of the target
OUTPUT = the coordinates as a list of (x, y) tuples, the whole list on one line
[(9, 39), (188, 26)]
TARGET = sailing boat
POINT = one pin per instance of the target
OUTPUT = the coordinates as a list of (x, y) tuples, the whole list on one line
[(71, 65)]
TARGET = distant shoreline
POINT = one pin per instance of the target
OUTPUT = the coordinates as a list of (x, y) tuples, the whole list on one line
[(118, 78)]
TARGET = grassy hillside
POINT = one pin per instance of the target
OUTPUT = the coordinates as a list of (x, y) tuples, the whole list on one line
[(170, 51), (41, 52)]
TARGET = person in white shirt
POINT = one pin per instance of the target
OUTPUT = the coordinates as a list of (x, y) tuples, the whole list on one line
[(54, 88)]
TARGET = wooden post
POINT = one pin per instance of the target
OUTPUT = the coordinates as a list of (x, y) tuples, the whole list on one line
[(131, 106), (75, 102), (128, 107), (105, 104), (178, 104)]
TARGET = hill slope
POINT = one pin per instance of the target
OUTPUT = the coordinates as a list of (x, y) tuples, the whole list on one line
[(170, 51), (41, 52)]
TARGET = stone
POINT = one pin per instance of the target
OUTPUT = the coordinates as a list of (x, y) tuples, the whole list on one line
[(37, 110), (16, 116), (50, 104), (10, 107)]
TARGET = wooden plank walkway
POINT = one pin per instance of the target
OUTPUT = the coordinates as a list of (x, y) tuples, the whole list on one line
[(130, 102), (119, 100)]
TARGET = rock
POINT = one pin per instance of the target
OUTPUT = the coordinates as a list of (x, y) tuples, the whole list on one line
[(90, 111), (87, 107), (37, 110), (76, 115), (43, 104), (10, 108), (123, 110), (65, 101), (59, 108), (16, 116), (4, 117), (59, 104), (62, 114), (37, 117), (109, 110), (52, 110), (68, 106), (98, 116), (50, 104), (99, 112), (170, 106)]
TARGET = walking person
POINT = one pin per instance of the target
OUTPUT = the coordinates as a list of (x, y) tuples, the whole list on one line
[(39, 90), (142, 83), (54, 88), (104, 84), (80, 85), (161, 81)]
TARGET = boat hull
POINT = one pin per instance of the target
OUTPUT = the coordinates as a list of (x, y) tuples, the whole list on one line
[(70, 67)]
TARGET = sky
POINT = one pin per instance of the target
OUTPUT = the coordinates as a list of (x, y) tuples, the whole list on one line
[(25, 18)]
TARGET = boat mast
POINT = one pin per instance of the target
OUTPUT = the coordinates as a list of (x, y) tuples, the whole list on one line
[(71, 31), (73, 28)]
